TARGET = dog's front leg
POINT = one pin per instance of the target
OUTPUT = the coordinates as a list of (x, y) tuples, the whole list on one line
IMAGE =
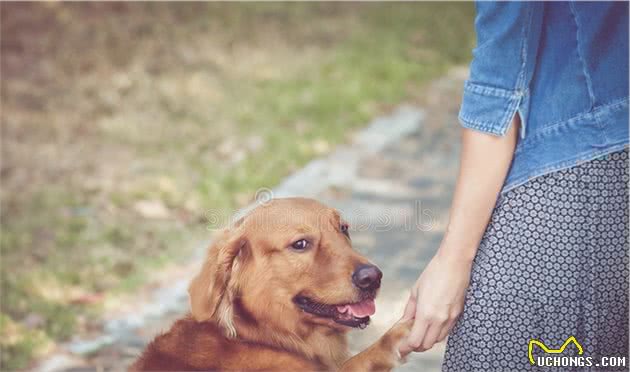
[(383, 355)]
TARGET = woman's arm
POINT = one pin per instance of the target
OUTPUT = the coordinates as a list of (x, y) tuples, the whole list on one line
[(437, 298), (503, 65), (484, 163)]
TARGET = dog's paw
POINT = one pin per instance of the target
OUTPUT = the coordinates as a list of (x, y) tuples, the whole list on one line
[(384, 354), (394, 338)]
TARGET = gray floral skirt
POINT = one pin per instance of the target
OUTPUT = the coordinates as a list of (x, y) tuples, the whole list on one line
[(552, 266)]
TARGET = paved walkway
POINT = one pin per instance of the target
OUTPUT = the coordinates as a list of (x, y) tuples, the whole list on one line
[(393, 183)]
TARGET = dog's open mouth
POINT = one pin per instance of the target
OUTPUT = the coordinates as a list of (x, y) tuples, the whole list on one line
[(356, 315)]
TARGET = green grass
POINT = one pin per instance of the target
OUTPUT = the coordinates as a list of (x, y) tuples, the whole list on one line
[(193, 106)]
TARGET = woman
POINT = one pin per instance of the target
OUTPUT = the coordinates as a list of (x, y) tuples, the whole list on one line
[(537, 241)]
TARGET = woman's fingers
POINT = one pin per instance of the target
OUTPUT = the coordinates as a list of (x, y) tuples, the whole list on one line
[(404, 349), (452, 320), (430, 337), (410, 309), (446, 330), (418, 330)]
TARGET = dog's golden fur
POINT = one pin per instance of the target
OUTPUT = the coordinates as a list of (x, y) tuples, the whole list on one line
[(243, 315)]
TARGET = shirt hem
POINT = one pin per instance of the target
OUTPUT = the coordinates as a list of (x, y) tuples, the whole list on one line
[(562, 165)]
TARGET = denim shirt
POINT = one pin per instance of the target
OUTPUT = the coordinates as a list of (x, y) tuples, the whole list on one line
[(563, 67)]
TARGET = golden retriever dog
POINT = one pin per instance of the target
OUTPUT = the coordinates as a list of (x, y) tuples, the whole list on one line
[(279, 290)]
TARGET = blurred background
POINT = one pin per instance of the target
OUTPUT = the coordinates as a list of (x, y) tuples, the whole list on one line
[(124, 123)]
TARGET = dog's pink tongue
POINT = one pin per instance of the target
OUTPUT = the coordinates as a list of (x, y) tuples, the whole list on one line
[(360, 309)]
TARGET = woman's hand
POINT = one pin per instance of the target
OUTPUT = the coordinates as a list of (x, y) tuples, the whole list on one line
[(436, 301)]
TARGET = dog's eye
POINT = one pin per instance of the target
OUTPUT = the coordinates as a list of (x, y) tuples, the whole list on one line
[(344, 229), (300, 245)]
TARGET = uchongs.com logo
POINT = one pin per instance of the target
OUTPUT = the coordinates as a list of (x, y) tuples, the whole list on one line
[(554, 358)]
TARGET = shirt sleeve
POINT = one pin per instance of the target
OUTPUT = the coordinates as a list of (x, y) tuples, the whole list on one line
[(503, 62)]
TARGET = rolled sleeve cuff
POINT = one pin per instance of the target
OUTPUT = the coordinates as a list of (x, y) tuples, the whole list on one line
[(488, 109)]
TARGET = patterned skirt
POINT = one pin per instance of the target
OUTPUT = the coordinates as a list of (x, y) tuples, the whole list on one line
[(550, 280)]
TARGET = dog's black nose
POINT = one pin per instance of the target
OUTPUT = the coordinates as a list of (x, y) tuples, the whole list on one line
[(367, 277)]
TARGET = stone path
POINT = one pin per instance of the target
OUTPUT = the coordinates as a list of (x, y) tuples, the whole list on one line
[(393, 183)]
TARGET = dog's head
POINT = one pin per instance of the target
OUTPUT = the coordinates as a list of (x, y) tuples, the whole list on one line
[(287, 263)]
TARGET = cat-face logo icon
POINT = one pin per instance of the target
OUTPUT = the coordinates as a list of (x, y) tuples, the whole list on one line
[(544, 347)]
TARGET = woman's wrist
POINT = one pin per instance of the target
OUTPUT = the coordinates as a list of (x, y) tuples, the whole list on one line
[(458, 248)]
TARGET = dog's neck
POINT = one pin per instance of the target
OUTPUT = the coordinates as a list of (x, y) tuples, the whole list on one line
[(325, 346)]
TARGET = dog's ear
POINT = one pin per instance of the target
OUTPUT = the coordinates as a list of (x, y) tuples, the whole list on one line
[(209, 287)]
